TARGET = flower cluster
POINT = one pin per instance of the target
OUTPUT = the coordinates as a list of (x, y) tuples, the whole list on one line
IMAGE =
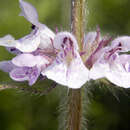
[(57, 55)]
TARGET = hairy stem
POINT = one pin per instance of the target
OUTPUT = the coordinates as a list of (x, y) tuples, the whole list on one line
[(74, 118), (78, 20), (74, 110)]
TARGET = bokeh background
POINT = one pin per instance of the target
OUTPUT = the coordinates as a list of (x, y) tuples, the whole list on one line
[(108, 108)]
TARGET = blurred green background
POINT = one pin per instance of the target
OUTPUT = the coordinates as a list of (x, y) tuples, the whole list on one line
[(107, 108)]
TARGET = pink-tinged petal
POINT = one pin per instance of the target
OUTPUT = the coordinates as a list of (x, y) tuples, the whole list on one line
[(25, 73), (38, 38), (99, 70), (103, 64), (19, 74), (122, 42), (73, 75), (29, 60), (56, 72), (119, 73), (29, 12), (116, 71), (8, 41), (77, 73), (123, 59), (118, 77), (30, 42), (65, 38), (46, 38), (35, 73), (7, 66)]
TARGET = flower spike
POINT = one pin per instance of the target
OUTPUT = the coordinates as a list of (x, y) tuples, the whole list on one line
[(57, 56)]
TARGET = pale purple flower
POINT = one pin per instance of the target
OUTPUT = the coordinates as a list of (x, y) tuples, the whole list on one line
[(68, 68), (33, 51), (40, 37), (111, 63), (20, 73)]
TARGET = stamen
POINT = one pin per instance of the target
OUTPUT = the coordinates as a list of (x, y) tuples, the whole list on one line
[(82, 53), (57, 30), (92, 58), (102, 44), (98, 34)]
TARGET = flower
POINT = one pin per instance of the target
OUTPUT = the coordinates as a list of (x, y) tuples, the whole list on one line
[(67, 68), (33, 51), (57, 56), (114, 64), (40, 37)]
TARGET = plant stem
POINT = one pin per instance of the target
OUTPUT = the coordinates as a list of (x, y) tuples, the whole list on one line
[(74, 119), (78, 20), (74, 110)]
